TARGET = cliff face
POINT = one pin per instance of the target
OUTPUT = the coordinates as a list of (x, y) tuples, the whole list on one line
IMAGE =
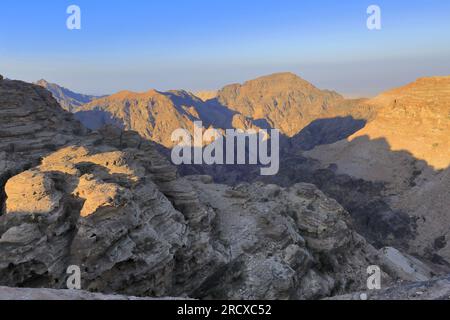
[(109, 203), (413, 119), (287, 102), (32, 125), (153, 114), (406, 147), (282, 101)]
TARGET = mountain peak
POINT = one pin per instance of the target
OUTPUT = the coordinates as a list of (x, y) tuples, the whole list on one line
[(286, 101), (42, 82), (281, 78), (68, 100), (127, 94), (425, 91), (280, 75)]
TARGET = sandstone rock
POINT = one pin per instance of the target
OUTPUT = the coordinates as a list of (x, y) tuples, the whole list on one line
[(275, 245), (153, 114), (282, 101), (32, 125), (286, 102), (121, 229), (406, 148), (108, 202)]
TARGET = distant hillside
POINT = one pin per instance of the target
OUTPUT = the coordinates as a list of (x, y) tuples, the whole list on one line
[(69, 100), (414, 119), (153, 114), (406, 147), (282, 101), (206, 95)]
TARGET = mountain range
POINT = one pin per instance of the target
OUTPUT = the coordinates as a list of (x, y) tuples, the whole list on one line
[(361, 181), (398, 139), (67, 99)]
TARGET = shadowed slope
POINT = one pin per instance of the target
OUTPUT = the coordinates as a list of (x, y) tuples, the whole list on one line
[(68, 100)]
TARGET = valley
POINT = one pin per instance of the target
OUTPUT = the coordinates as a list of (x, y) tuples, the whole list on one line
[(355, 177)]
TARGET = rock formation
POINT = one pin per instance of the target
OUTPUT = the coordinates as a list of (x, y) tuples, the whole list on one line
[(282, 101), (406, 147), (68, 100), (155, 115), (286, 102), (108, 202)]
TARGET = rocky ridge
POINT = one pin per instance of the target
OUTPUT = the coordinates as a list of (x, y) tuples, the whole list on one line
[(406, 147), (283, 101), (68, 100), (110, 203)]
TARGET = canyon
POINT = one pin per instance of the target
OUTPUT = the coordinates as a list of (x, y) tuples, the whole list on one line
[(358, 178)]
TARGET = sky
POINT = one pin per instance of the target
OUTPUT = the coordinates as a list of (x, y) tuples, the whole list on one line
[(206, 44)]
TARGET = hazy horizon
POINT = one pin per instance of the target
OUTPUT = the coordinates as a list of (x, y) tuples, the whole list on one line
[(199, 45)]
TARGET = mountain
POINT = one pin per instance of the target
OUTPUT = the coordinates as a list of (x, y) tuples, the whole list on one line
[(283, 101), (32, 124), (411, 121), (386, 162), (108, 202), (155, 115), (68, 100), (406, 147)]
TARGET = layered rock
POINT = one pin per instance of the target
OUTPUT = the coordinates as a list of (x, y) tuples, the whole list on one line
[(110, 203), (282, 101), (154, 115), (406, 147), (290, 243), (286, 102), (98, 208), (411, 125), (32, 125)]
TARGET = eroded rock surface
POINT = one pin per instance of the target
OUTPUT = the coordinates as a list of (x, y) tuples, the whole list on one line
[(110, 203), (27, 294), (436, 289), (99, 208)]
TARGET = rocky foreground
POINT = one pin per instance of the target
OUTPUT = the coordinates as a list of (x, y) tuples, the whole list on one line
[(437, 289), (109, 203), (7, 293)]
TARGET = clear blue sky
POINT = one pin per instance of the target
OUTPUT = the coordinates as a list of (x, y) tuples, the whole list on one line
[(205, 44)]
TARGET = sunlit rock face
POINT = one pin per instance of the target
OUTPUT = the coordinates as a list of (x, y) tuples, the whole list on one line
[(134, 232), (282, 101), (406, 147), (109, 203), (411, 121)]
